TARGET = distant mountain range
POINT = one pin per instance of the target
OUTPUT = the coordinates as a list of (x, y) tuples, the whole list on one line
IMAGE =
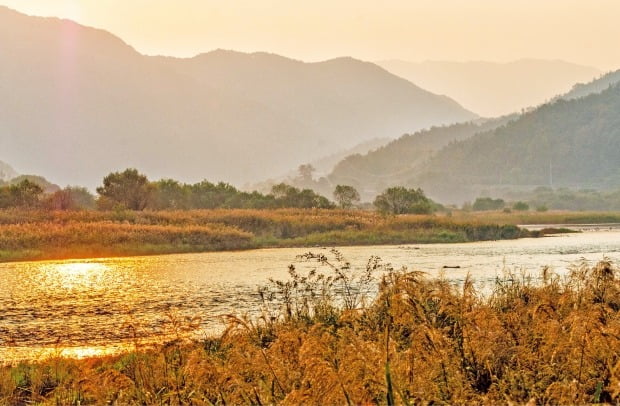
[(574, 143), (571, 142), (83, 103), (397, 162), (494, 89)]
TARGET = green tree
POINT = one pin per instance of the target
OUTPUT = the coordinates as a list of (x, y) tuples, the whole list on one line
[(400, 200), (486, 203), (346, 196), (170, 194), (289, 196), (25, 194), (207, 195), (521, 206), (129, 189)]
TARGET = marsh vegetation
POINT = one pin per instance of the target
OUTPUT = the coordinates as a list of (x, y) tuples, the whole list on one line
[(382, 336), (42, 234)]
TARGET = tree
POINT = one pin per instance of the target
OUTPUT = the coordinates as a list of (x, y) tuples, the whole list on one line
[(486, 203), (305, 172), (346, 196), (289, 196), (207, 195), (170, 194), (400, 200), (70, 198), (25, 194), (128, 189), (521, 206)]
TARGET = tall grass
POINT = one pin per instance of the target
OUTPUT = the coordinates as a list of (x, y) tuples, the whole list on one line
[(549, 217), (53, 235), (380, 337)]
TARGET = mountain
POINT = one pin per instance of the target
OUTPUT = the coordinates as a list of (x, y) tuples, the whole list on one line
[(6, 172), (494, 89), (396, 163), (46, 185), (594, 86), (568, 143), (326, 164), (84, 103)]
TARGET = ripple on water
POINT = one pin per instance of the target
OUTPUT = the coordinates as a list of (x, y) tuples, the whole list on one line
[(97, 307)]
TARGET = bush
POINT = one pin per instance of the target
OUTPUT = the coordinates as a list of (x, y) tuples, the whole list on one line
[(400, 200), (521, 206), (486, 203)]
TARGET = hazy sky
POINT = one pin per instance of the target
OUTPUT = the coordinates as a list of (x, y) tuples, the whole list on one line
[(582, 31)]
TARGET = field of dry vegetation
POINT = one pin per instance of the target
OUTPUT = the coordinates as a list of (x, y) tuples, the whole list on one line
[(40, 234), (330, 337)]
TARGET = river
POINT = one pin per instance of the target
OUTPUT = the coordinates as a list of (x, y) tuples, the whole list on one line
[(81, 308)]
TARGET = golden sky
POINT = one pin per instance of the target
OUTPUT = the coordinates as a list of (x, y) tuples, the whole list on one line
[(581, 31)]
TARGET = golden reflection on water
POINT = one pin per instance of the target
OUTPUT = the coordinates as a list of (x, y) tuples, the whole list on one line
[(99, 307), (73, 275), (11, 355)]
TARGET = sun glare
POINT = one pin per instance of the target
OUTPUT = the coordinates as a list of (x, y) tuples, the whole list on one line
[(73, 275)]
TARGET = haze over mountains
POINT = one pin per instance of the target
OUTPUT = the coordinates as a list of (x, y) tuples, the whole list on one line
[(398, 162), (6, 172), (83, 103), (494, 89), (572, 142)]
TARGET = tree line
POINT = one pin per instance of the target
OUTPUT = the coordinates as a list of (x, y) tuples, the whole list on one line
[(131, 190)]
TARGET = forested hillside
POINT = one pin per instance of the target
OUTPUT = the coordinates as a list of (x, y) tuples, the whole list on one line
[(396, 163), (574, 143), (595, 86)]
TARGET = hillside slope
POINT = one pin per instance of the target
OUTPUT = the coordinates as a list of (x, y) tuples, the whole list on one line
[(595, 86), (397, 162), (83, 103), (574, 143)]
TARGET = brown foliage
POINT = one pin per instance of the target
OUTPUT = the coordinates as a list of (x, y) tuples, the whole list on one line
[(556, 341)]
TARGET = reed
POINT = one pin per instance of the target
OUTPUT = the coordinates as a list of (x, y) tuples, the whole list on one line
[(28, 235), (382, 336)]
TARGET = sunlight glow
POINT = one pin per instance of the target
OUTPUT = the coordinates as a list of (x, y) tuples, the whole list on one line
[(80, 276)]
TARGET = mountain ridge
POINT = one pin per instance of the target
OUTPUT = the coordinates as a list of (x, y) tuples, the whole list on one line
[(83, 93), (493, 89), (567, 143)]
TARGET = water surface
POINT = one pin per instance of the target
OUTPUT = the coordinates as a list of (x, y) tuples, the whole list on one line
[(92, 307)]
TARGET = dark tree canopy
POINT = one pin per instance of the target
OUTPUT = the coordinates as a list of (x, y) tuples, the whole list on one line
[(129, 189), (25, 194), (486, 203), (400, 200)]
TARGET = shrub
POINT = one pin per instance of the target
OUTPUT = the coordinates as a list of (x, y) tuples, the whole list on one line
[(520, 206)]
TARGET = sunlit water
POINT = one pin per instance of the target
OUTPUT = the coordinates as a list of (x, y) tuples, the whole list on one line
[(95, 307)]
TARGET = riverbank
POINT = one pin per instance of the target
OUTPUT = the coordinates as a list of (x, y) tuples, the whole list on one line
[(420, 340), (40, 235)]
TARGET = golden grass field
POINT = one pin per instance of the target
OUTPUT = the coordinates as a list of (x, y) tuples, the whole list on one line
[(322, 340), (39, 234)]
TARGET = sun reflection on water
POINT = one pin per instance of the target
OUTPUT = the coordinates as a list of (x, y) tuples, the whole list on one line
[(77, 276)]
